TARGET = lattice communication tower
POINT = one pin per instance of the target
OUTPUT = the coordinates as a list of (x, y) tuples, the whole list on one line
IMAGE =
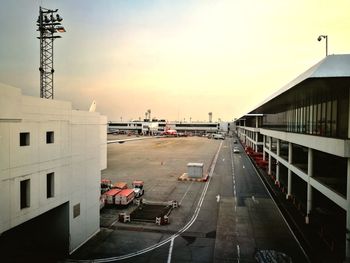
[(49, 23)]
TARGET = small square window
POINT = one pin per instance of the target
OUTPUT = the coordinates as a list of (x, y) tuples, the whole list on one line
[(25, 193), (76, 210), (24, 139), (50, 137), (50, 185)]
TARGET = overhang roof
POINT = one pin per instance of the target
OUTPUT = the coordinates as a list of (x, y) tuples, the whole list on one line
[(332, 66)]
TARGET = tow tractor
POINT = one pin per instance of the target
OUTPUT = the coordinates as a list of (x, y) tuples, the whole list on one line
[(138, 188), (106, 185)]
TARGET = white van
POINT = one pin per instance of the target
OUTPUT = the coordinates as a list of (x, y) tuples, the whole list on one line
[(218, 136)]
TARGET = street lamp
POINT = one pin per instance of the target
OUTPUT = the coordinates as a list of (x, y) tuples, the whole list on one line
[(49, 23), (325, 37)]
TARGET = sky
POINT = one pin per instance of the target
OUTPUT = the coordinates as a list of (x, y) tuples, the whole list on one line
[(182, 59)]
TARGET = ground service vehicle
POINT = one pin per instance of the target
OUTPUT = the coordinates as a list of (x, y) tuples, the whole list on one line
[(218, 136), (124, 197), (111, 195), (120, 185), (105, 185), (138, 188), (170, 132), (102, 201)]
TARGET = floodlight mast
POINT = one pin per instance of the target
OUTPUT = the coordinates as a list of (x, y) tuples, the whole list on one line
[(48, 25), (326, 38)]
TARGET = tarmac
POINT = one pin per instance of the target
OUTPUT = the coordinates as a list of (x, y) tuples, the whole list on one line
[(223, 224)]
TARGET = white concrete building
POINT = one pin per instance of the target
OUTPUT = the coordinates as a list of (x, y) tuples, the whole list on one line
[(51, 159)]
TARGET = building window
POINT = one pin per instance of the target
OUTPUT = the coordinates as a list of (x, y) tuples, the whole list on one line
[(50, 137), (76, 210), (25, 193), (50, 185), (24, 139)]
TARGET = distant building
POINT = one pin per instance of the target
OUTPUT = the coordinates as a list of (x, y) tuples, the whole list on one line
[(154, 126), (51, 159), (303, 131)]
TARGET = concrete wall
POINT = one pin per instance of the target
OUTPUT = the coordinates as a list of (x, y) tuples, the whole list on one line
[(76, 157)]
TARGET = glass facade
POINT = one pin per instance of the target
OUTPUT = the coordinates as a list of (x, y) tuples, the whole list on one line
[(196, 125), (314, 118), (318, 107)]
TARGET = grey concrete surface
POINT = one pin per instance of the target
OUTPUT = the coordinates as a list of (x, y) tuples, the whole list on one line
[(248, 218), (231, 230)]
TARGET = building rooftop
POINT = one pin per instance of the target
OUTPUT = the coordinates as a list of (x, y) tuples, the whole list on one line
[(332, 66)]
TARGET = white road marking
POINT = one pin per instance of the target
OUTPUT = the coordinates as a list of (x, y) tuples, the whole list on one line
[(218, 198), (170, 250), (235, 198), (183, 197)]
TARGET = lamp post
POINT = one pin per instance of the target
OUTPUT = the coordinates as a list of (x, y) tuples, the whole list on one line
[(48, 24), (325, 37)]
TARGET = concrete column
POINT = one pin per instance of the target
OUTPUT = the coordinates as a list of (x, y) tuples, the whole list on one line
[(256, 133), (249, 141), (290, 158), (250, 136), (347, 246), (270, 147), (264, 148), (277, 181), (310, 171)]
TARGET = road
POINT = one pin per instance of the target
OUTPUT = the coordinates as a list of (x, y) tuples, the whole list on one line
[(228, 219)]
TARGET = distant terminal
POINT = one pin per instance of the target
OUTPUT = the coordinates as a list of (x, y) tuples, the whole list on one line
[(160, 126)]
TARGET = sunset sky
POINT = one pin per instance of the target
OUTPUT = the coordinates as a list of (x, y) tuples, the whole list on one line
[(179, 58)]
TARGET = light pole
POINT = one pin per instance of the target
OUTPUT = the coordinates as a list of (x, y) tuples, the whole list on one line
[(48, 25), (325, 37)]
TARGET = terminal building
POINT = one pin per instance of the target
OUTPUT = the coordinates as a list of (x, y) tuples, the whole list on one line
[(51, 159), (158, 126), (302, 132)]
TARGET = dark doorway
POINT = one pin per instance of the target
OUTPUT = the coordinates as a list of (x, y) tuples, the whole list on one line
[(44, 238)]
